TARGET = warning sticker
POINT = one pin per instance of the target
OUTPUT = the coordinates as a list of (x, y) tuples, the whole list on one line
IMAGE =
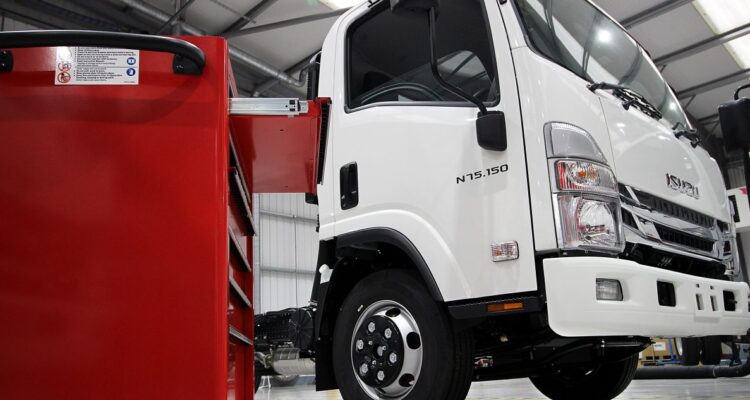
[(96, 66)]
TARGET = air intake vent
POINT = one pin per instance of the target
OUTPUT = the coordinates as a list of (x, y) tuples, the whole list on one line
[(627, 219), (683, 239), (674, 210)]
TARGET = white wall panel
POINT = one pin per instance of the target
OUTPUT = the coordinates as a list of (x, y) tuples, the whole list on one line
[(285, 251)]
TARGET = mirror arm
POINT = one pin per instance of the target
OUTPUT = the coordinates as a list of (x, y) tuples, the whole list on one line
[(431, 21), (739, 89)]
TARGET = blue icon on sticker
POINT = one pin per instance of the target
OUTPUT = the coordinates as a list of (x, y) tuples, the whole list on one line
[(131, 61), (130, 71)]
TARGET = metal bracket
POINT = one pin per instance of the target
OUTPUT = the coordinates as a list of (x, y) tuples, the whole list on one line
[(6, 61), (183, 65), (267, 106)]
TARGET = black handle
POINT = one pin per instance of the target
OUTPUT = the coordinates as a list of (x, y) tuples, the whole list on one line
[(349, 185), (739, 89), (188, 58)]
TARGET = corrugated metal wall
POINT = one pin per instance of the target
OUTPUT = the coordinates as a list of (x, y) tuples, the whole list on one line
[(285, 251)]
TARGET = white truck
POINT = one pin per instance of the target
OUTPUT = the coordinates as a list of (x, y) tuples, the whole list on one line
[(509, 189)]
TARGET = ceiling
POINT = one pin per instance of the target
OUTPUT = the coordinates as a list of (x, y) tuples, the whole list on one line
[(702, 80)]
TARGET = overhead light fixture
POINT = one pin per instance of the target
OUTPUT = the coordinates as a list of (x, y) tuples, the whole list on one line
[(725, 15), (339, 4)]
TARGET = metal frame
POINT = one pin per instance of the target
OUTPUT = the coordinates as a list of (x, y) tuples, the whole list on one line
[(254, 12), (179, 13), (714, 84), (653, 12), (284, 23), (703, 45)]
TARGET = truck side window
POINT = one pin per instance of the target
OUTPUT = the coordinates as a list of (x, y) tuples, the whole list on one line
[(389, 56)]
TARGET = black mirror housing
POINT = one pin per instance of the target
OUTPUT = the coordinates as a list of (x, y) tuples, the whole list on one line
[(735, 123), (413, 6), (491, 131)]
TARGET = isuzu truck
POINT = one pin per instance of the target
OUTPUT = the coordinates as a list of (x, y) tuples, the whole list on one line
[(506, 189), (509, 189)]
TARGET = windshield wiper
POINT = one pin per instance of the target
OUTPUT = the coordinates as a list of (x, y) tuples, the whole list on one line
[(691, 134), (629, 98)]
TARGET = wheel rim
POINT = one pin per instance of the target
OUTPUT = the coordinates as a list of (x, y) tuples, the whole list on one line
[(386, 350)]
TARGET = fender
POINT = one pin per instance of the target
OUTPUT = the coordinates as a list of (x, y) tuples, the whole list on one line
[(327, 255), (397, 239)]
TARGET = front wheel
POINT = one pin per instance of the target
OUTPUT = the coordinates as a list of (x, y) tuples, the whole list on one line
[(603, 382), (393, 341)]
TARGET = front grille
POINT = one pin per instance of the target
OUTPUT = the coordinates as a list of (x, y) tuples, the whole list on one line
[(646, 255), (674, 210), (684, 239), (628, 219)]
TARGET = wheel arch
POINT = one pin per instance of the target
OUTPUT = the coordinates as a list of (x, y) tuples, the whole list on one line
[(352, 257)]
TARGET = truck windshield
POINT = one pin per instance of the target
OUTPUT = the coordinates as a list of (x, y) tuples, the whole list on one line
[(578, 36)]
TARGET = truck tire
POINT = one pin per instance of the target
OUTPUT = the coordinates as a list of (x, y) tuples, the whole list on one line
[(392, 340), (712, 351), (606, 381), (691, 351), (258, 378)]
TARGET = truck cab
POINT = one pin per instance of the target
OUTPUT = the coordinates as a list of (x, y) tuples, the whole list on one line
[(551, 245)]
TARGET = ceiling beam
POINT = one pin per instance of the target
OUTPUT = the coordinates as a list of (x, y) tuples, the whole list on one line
[(241, 57), (23, 13), (253, 13), (35, 22), (703, 45), (285, 23), (708, 119), (261, 88), (65, 13), (653, 12), (112, 13), (179, 13), (714, 84)]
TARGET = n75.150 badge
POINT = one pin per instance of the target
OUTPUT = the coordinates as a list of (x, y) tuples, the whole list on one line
[(485, 173)]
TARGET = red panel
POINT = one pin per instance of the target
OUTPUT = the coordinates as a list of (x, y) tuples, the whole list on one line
[(113, 232), (279, 152)]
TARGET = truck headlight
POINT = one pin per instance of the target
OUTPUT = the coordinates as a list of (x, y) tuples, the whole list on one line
[(587, 222), (585, 195), (584, 176)]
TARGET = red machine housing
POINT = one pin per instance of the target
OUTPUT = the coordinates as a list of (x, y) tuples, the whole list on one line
[(125, 224)]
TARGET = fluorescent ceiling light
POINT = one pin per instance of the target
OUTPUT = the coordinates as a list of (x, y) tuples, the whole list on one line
[(339, 4), (724, 15)]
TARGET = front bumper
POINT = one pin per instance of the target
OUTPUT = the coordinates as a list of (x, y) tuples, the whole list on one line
[(574, 310)]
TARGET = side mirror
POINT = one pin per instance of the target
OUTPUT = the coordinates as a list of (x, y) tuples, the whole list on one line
[(491, 133), (735, 121), (414, 6)]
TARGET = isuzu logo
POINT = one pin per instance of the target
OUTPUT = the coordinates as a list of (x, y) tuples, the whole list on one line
[(683, 186)]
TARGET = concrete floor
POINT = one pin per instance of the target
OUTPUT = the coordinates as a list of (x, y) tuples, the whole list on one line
[(521, 389)]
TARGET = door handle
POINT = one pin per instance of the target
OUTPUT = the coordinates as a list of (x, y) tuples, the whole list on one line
[(349, 184)]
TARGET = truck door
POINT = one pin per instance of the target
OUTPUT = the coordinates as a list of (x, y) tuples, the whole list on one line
[(405, 152)]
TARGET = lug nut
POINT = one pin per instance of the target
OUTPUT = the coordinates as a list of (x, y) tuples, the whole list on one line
[(388, 333), (360, 344), (371, 327), (393, 358), (364, 369), (381, 375)]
